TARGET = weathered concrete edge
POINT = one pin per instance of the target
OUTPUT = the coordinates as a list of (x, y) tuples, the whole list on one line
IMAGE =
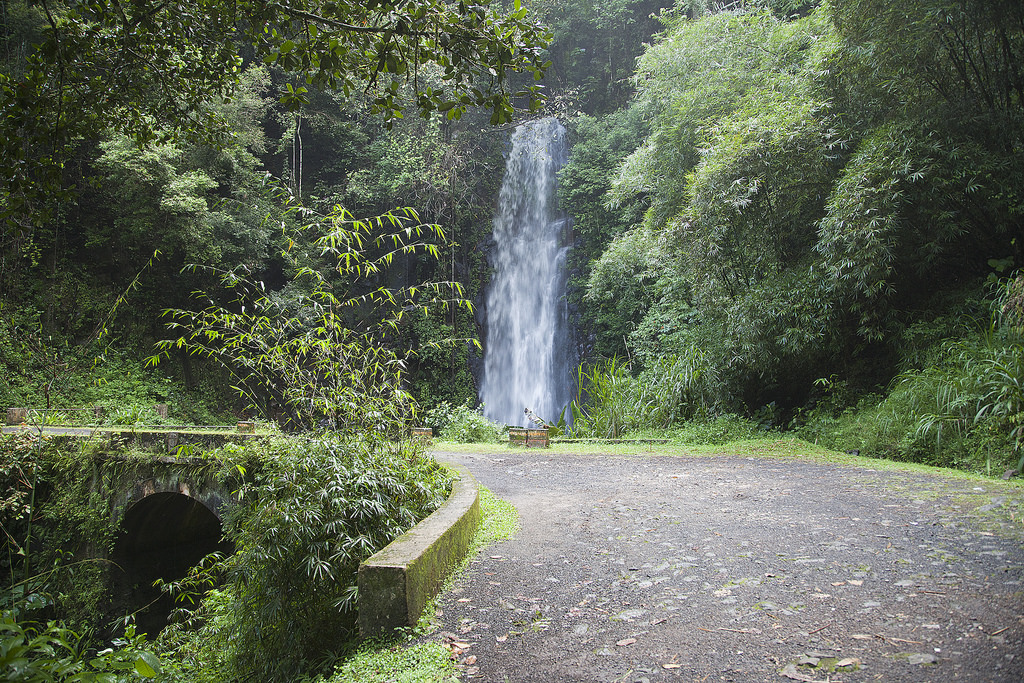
[(396, 583)]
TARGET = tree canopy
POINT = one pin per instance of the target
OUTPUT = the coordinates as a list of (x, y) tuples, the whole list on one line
[(811, 182), (151, 70)]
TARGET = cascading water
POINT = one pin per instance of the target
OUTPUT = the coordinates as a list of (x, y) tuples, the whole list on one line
[(529, 351)]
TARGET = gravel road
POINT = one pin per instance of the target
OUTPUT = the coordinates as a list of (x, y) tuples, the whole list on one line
[(728, 568)]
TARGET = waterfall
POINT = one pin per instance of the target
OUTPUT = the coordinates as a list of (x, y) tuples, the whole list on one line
[(529, 353)]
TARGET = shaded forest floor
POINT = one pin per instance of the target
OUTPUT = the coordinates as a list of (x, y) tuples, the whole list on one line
[(739, 567)]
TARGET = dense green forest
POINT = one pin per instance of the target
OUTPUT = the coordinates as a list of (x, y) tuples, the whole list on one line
[(802, 207), (794, 212), (787, 215), (810, 213)]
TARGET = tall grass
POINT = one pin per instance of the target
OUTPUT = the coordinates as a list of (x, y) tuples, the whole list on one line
[(979, 394), (966, 410), (611, 401)]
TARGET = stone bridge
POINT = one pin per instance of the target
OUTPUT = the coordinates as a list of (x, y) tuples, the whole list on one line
[(168, 513), (168, 502), (163, 504), (166, 509)]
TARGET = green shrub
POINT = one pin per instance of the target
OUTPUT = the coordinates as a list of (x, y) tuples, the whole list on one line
[(429, 662), (717, 430), (301, 526), (38, 653), (462, 424), (965, 410), (606, 401), (610, 401), (132, 416)]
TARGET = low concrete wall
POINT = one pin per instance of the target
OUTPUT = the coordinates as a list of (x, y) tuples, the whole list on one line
[(396, 583)]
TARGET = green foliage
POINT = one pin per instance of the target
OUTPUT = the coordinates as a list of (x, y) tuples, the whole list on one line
[(302, 524), (413, 167), (150, 72), (740, 153), (716, 431), (594, 47), (429, 662), (133, 416), (438, 371), (815, 178), (20, 462), (499, 521), (963, 410), (60, 523), (43, 371), (320, 353), (377, 662), (670, 390), (462, 424), (613, 308), (979, 393), (678, 387), (37, 653), (609, 402)]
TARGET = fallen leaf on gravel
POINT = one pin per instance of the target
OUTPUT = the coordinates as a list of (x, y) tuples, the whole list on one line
[(855, 582), (838, 583), (462, 646), (501, 639), (848, 661), (626, 641), (464, 600), (470, 660), (472, 670), (793, 673)]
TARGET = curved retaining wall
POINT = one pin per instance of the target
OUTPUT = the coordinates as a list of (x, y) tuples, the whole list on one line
[(396, 583)]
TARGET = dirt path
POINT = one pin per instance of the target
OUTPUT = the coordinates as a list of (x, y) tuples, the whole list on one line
[(657, 568)]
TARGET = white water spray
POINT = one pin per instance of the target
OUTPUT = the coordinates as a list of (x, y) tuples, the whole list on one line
[(529, 351)]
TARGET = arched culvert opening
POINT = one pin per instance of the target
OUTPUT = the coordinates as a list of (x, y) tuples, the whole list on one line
[(162, 536)]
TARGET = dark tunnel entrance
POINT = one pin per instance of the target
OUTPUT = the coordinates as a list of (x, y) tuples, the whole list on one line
[(162, 536)]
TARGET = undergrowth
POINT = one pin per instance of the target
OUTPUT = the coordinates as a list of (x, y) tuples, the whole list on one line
[(964, 409), (401, 660), (462, 424), (302, 524)]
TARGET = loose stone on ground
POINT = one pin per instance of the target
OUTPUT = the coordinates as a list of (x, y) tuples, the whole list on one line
[(738, 569)]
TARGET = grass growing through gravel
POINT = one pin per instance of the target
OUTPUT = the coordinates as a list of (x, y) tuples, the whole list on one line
[(395, 660), (770, 445), (961, 492), (499, 521)]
